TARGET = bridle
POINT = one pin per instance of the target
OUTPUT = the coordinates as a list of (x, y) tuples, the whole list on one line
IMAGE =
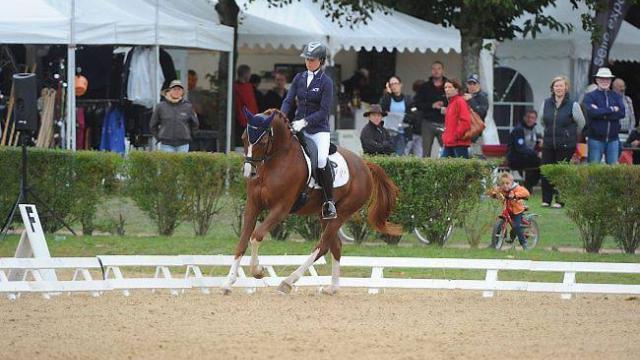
[(253, 160)]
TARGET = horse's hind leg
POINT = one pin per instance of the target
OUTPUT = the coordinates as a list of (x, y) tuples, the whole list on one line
[(328, 235), (336, 249)]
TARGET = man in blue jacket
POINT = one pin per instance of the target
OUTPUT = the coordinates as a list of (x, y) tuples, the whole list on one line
[(605, 109)]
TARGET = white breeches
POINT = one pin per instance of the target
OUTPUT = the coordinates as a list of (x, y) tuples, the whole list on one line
[(322, 141)]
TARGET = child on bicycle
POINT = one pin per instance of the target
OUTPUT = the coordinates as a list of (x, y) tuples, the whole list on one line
[(514, 196)]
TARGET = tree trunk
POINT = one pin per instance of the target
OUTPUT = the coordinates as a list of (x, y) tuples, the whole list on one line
[(470, 45), (228, 12)]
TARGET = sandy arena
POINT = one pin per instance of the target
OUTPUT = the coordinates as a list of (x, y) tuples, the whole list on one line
[(398, 324)]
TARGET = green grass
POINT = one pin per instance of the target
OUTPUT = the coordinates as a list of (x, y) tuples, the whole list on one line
[(556, 231)]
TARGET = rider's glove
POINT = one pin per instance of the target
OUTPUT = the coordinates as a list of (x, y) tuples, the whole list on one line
[(298, 125)]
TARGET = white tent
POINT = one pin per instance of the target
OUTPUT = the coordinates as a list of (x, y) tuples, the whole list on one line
[(554, 53), (305, 21), (118, 22)]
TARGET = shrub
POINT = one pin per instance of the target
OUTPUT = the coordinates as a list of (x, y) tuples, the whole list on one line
[(204, 180), (437, 193), (601, 200), (94, 173), (157, 185), (308, 227)]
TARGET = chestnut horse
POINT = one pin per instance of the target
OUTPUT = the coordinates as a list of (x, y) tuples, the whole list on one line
[(276, 173)]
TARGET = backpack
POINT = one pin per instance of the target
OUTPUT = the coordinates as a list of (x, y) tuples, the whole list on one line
[(477, 126)]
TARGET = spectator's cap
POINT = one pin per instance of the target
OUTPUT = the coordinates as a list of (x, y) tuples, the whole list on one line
[(473, 78), (175, 83), (604, 72), (375, 109)]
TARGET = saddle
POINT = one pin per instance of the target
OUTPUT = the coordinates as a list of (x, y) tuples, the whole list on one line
[(310, 148), (311, 151)]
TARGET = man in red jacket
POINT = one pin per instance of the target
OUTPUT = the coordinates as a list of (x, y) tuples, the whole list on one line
[(244, 96)]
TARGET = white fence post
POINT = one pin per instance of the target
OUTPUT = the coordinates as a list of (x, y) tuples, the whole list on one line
[(490, 279), (569, 280), (377, 274)]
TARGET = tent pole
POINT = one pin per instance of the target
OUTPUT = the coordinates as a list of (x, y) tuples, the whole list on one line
[(71, 79), (229, 102)]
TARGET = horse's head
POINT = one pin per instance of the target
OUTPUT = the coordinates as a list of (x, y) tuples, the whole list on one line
[(259, 139)]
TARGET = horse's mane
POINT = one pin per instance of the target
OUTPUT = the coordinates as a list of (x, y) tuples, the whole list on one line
[(280, 116)]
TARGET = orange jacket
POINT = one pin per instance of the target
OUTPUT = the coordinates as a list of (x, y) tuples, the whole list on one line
[(515, 198)]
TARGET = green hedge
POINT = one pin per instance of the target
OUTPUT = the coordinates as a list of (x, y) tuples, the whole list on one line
[(437, 193), (70, 184), (601, 200)]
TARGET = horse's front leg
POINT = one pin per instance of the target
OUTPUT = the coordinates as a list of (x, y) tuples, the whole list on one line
[(248, 225), (336, 252), (274, 217)]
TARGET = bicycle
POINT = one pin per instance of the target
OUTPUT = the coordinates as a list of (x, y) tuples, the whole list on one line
[(504, 222), (346, 234)]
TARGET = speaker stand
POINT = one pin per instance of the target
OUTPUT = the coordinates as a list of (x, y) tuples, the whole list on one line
[(25, 190)]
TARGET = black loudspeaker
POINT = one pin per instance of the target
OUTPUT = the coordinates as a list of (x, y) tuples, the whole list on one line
[(25, 109)]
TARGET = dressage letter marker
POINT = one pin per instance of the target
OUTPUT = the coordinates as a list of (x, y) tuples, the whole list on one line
[(32, 244)]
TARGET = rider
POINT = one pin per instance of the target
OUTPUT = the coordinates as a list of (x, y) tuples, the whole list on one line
[(514, 195), (314, 92)]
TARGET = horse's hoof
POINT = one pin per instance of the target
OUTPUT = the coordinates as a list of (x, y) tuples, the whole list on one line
[(328, 291), (284, 288), (226, 291), (259, 272)]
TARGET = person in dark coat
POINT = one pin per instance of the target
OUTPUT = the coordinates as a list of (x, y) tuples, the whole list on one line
[(431, 101), (375, 139), (523, 154), (174, 120)]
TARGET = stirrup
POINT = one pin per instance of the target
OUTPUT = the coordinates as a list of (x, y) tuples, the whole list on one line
[(329, 210)]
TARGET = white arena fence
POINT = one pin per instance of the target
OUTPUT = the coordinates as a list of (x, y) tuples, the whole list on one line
[(29, 274)]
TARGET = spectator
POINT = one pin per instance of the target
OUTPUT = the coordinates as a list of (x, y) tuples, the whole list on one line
[(479, 102), (628, 123), (475, 97), (244, 96), (255, 81), (605, 109), (192, 80), (273, 98), (523, 154), (633, 142), (414, 146), (514, 195), (358, 87), (174, 120), (395, 102), (562, 120), (430, 100), (456, 122), (374, 137)]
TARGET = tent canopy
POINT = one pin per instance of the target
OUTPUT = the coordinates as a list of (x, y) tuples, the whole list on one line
[(300, 22), (575, 45), (126, 22)]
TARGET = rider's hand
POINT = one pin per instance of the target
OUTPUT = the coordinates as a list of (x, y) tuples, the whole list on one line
[(298, 125)]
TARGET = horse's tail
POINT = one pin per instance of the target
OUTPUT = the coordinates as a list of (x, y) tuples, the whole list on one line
[(383, 200)]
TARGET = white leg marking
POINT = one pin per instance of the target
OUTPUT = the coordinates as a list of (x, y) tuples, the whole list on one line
[(232, 277), (296, 275), (255, 267)]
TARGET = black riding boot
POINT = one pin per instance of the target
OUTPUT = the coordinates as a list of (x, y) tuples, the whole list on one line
[(326, 181)]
